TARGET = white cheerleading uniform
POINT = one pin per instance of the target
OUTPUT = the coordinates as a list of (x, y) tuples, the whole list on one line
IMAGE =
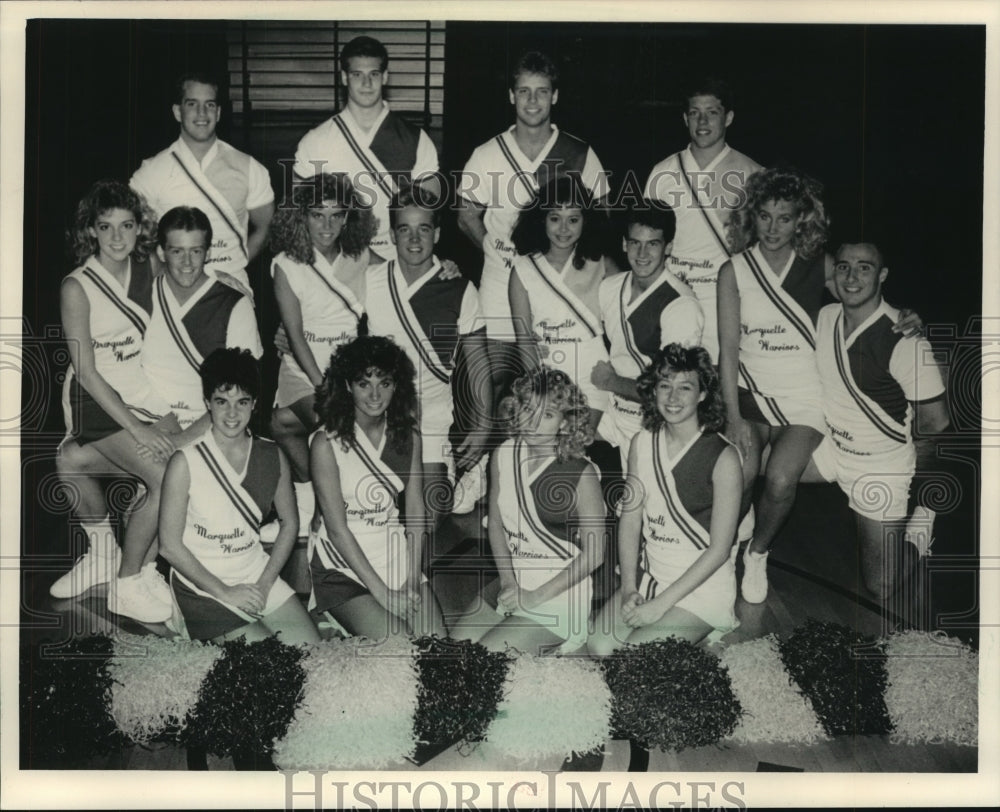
[(371, 487), (377, 161), (666, 312), (501, 178), (701, 200), (564, 323), (777, 356), (535, 510), (225, 509), (331, 312), (676, 519), (226, 184), (427, 319), (869, 380), (182, 336)]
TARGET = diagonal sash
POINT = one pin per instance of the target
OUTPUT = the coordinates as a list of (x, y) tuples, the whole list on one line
[(175, 326), (770, 402), (247, 507), (788, 307), (843, 367), (668, 487), (406, 316), (220, 207), (138, 321), (528, 510), (566, 296), (376, 470), (630, 344), (701, 207), (520, 173), (382, 178), (354, 308)]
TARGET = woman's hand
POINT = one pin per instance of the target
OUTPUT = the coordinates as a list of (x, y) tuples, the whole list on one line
[(740, 433), (642, 614), (909, 323), (247, 597), (449, 270), (403, 603), (152, 442)]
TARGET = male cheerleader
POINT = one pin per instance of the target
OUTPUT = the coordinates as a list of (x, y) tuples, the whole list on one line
[(199, 169), (378, 150)]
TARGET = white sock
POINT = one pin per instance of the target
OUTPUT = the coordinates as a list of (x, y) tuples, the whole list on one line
[(101, 536)]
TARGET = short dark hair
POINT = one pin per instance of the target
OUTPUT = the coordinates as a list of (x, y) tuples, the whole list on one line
[(228, 368), (535, 62), (364, 46), (878, 250), (710, 86), (653, 214), (183, 218), (201, 77), (415, 196)]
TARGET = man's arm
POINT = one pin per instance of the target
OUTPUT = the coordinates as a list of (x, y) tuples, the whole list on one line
[(470, 221), (260, 222)]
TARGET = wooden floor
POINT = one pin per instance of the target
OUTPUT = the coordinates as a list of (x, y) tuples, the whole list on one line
[(812, 574)]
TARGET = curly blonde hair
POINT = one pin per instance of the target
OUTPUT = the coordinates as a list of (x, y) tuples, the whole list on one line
[(790, 185), (558, 390), (102, 197), (290, 234)]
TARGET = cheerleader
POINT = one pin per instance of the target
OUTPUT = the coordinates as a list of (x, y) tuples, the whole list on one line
[(679, 514), (365, 564)]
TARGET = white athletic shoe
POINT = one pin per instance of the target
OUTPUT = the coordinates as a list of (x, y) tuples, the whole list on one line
[(470, 488), (754, 584), (745, 531), (269, 532), (131, 597), (156, 584), (96, 566)]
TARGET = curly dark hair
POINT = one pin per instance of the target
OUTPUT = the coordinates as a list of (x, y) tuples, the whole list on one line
[(230, 367), (777, 184), (677, 358), (529, 236), (102, 197), (557, 389), (355, 360), (289, 232)]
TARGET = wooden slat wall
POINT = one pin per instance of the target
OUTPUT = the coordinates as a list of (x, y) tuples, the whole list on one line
[(293, 66)]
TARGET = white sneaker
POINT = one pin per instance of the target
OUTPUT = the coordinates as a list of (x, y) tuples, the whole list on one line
[(269, 532), (131, 597), (156, 584), (470, 488), (754, 584), (745, 531), (92, 568)]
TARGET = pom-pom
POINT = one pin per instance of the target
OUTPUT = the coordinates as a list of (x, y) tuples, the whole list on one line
[(843, 674), (670, 694), (773, 711), (461, 684), (65, 692), (553, 706), (156, 683), (933, 689), (357, 708), (248, 698)]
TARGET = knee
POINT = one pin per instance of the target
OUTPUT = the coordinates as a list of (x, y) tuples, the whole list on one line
[(780, 484), (283, 423)]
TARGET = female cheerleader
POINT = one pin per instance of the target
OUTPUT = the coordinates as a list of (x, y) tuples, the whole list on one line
[(215, 494), (105, 306), (366, 566), (553, 289), (679, 515), (546, 526)]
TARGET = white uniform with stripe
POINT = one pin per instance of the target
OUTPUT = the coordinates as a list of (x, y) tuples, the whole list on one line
[(563, 322), (391, 305), (777, 345), (672, 538), (501, 178), (118, 328), (330, 315), (340, 144), (226, 184), (370, 488), (681, 321), (171, 356), (537, 554), (701, 200), (222, 528), (870, 379)]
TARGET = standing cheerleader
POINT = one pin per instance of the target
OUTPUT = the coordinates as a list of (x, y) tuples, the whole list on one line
[(366, 566), (679, 515)]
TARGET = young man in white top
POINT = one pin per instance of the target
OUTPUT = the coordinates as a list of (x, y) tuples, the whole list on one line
[(379, 151), (201, 170)]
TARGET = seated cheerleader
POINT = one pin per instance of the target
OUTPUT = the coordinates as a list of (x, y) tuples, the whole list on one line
[(546, 525), (553, 288), (679, 515), (215, 493), (365, 565), (321, 241)]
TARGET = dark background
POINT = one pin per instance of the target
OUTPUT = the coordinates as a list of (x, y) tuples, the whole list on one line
[(890, 118)]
